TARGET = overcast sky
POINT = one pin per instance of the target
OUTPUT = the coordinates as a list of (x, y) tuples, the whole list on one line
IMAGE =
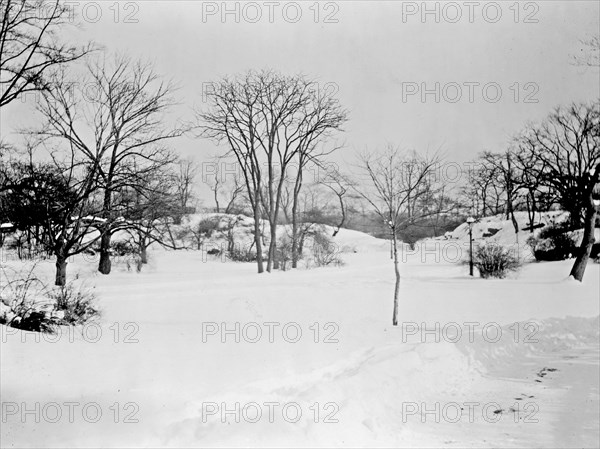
[(377, 55)]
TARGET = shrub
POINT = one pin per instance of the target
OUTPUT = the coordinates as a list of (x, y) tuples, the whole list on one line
[(123, 248), (207, 226), (239, 253), (134, 260), (284, 252), (494, 260), (20, 303), (75, 304), (553, 243), (26, 303), (324, 251)]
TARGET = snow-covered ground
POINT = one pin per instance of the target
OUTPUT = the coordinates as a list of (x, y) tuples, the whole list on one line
[(475, 363)]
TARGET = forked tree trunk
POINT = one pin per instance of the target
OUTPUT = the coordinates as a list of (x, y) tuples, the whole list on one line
[(397, 285), (587, 242)]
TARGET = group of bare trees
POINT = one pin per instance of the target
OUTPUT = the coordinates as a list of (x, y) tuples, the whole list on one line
[(116, 133), (98, 162), (273, 125), (108, 149), (555, 163)]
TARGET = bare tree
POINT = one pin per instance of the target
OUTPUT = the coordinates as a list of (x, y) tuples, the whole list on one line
[(225, 183), (502, 165), (187, 170), (590, 52), (398, 180), (528, 167), (58, 196), (234, 195), (150, 210), (485, 188), (268, 120), (339, 185), (29, 48), (119, 129)]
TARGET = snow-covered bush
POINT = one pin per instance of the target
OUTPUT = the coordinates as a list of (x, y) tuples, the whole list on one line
[(207, 226), (74, 304), (495, 260), (324, 251), (27, 303), (22, 304), (553, 242), (241, 253), (123, 248)]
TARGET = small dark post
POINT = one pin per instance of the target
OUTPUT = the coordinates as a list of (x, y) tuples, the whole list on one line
[(470, 221)]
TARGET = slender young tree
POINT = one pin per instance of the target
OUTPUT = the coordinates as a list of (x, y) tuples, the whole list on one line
[(398, 181)]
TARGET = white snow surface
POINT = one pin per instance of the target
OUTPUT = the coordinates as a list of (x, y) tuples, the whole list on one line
[(153, 361)]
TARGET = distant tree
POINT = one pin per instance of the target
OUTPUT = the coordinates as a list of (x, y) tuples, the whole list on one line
[(340, 185), (484, 191), (503, 166), (150, 211), (185, 178), (590, 52)]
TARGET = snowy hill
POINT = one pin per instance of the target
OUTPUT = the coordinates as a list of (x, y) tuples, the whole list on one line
[(192, 349)]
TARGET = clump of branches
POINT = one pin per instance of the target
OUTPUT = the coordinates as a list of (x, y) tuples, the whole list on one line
[(493, 260), (324, 250)]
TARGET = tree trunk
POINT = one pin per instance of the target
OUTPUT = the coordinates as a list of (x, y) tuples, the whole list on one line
[(143, 252), (272, 245), (343, 220), (586, 243), (218, 206), (295, 252), (397, 285), (105, 264), (257, 236), (301, 241), (510, 212), (61, 270)]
